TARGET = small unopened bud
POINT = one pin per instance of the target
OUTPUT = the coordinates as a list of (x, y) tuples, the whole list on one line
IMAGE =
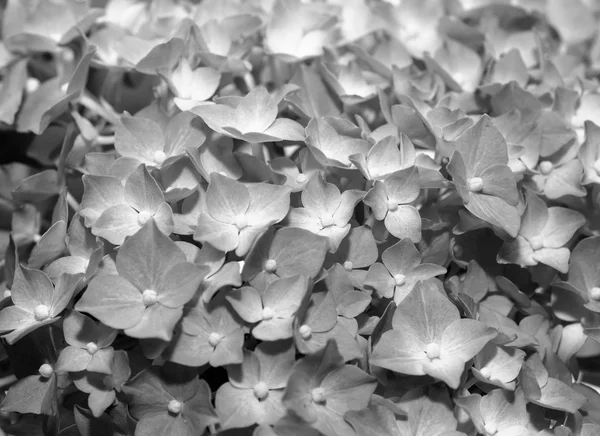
[(175, 407), (270, 265), (392, 205), (490, 428), (348, 266), (91, 347), (433, 350), (301, 178), (475, 184), (318, 395), (545, 167), (214, 339), (305, 331), (41, 312), (400, 279), (261, 390), (149, 297), (46, 370), (267, 314), (537, 243), (159, 157), (595, 293)]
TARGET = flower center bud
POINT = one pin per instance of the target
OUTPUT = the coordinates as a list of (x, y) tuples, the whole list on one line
[(490, 428), (175, 407), (400, 279), (32, 85), (518, 166), (348, 266), (41, 312), (318, 395), (149, 297), (326, 221), (159, 157), (261, 390), (545, 167), (91, 347), (267, 313), (305, 331), (537, 243), (214, 339), (392, 206), (595, 293), (143, 217), (7, 293), (46, 370), (301, 178), (37, 238), (270, 265), (485, 372), (241, 222), (433, 351), (475, 184)]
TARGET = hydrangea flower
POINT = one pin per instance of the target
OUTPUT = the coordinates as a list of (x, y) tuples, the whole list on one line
[(429, 337), (482, 177), (251, 118), (114, 210), (255, 388), (390, 201), (271, 309), (234, 215), (88, 346), (400, 272), (37, 302), (320, 389), (325, 212), (146, 296), (542, 237)]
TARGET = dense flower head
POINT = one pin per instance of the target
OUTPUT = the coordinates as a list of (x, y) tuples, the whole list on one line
[(300, 217)]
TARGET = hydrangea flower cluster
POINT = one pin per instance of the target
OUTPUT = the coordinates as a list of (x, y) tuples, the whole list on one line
[(289, 217)]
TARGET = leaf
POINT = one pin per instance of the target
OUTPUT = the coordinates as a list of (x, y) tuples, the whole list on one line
[(247, 302), (429, 412), (482, 146), (331, 147), (425, 313), (269, 204), (113, 300), (226, 199), (142, 192), (139, 138), (560, 396), (312, 99), (11, 93), (31, 287), (38, 187), (464, 338), (563, 15), (146, 257), (373, 421), (50, 247), (33, 394), (294, 250)]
